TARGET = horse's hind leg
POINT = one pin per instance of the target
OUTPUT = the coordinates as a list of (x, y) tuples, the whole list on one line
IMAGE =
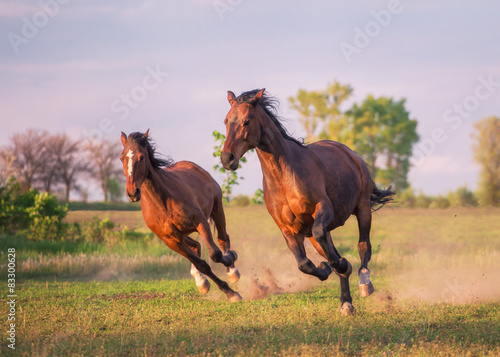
[(364, 216), (184, 249), (219, 219), (202, 282), (345, 292)]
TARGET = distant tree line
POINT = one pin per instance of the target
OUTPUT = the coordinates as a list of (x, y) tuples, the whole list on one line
[(379, 129), (57, 163)]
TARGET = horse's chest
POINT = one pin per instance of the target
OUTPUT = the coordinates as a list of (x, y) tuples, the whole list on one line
[(290, 213)]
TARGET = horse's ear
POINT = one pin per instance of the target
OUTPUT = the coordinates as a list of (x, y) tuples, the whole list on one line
[(124, 139), (256, 99), (230, 97), (145, 136)]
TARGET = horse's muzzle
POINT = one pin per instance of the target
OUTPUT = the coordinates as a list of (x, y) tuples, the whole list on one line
[(229, 161), (136, 196)]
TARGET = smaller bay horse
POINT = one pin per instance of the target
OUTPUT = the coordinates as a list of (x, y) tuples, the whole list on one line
[(309, 190), (178, 199)]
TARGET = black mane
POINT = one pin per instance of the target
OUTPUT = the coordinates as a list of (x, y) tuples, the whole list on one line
[(270, 106), (148, 144)]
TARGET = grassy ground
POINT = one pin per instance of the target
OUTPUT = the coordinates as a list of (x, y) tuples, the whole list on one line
[(435, 274)]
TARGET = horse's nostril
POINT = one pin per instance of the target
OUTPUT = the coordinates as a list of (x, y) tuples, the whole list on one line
[(227, 158)]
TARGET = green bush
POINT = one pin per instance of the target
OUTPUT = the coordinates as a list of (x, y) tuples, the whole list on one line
[(240, 201), (423, 201), (462, 197), (97, 230), (407, 198), (440, 202), (45, 218), (38, 216)]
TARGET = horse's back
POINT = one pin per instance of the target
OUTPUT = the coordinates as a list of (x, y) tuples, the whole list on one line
[(196, 180), (347, 177)]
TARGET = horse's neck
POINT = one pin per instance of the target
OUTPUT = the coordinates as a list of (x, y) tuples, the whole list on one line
[(277, 156), (155, 186)]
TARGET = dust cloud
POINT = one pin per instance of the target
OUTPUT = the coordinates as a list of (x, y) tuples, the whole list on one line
[(440, 283)]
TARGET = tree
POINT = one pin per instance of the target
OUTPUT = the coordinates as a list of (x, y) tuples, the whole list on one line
[(384, 135), (320, 112), (231, 176), (27, 156), (487, 153), (70, 161), (103, 156), (379, 129), (7, 169)]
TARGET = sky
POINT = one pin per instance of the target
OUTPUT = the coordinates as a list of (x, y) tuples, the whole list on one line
[(96, 68)]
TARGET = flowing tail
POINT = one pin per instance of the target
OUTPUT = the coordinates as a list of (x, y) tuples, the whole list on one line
[(380, 197)]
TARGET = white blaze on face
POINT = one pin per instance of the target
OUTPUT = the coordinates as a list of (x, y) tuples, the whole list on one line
[(130, 155)]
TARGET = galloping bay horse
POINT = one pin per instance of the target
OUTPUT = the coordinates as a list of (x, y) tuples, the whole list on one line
[(177, 199), (309, 190)]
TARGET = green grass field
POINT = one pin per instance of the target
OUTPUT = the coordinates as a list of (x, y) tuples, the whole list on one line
[(435, 273)]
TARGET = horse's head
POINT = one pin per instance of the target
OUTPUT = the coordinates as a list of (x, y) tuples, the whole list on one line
[(135, 159), (243, 128)]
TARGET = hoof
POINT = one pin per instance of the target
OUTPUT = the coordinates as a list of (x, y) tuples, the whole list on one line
[(233, 275), (203, 286), (235, 297), (347, 309), (365, 284), (366, 289)]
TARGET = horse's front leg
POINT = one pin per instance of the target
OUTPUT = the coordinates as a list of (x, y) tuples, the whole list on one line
[(219, 219), (295, 243), (322, 217), (214, 252)]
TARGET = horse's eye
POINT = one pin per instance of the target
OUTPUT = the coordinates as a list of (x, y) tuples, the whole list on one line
[(246, 123), (141, 157)]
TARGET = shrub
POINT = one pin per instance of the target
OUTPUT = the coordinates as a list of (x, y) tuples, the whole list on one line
[(240, 201), (97, 230), (37, 215), (407, 198), (440, 202), (423, 201), (462, 197)]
